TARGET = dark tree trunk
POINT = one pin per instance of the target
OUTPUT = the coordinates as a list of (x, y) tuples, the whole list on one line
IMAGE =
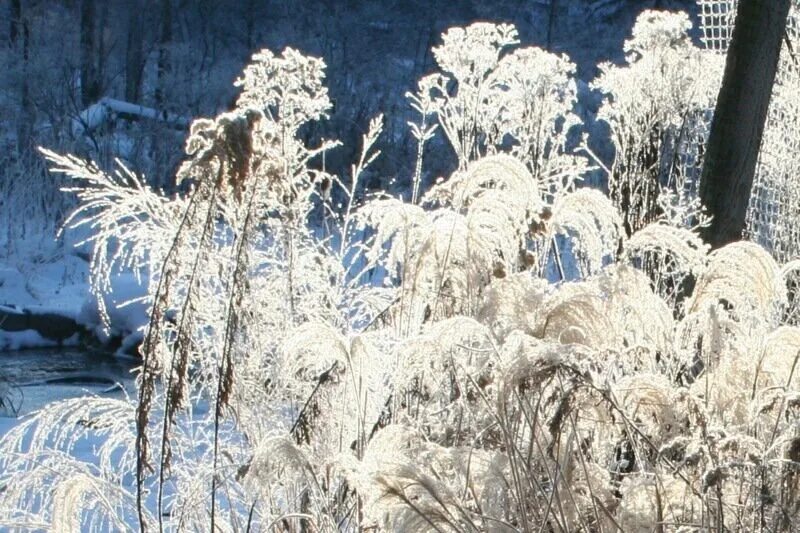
[(161, 157), (741, 112), (551, 24), (25, 129), (20, 25), (250, 18), (90, 87), (163, 51), (134, 56), (16, 17), (101, 48)]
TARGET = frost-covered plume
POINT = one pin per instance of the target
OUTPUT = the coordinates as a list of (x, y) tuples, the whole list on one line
[(38, 453), (423, 103), (502, 201), (368, 155), (592, 224), (289, 91), (513, 303), (746, 279), (440, 260), (448, 372), (671, 255), (128, 221), (250, 189)]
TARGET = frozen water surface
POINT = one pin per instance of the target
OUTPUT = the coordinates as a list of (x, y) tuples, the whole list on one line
[(29, 379)]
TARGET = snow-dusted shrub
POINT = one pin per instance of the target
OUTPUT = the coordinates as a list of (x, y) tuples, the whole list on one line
[(488, 98), (658, 107)]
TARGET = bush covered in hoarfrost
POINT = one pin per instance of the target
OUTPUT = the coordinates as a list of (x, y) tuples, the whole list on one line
[(427, 365), (658, 109)]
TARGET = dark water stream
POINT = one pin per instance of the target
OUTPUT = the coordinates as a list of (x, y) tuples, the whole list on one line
[(29, 379)]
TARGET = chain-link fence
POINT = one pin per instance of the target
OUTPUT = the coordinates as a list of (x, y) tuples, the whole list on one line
[(716, 22), (773, 217)]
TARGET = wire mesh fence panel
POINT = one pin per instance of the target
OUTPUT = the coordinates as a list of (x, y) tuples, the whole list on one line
[(716, 22), (773, 218)]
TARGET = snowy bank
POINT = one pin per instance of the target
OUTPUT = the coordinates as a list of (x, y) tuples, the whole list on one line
[(26, 328), (45, 304)]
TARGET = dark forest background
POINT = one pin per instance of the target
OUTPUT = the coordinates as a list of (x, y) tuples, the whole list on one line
[(181, 57)]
